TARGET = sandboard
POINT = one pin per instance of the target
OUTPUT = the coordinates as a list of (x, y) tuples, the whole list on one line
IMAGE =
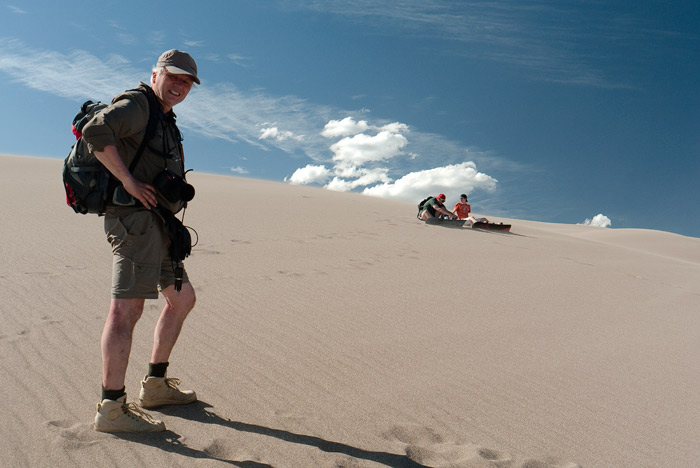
[(491, 226)]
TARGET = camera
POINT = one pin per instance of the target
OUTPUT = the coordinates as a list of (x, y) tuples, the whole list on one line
[(173, 187)]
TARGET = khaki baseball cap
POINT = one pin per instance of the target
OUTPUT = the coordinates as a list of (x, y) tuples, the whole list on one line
[(178, 63)]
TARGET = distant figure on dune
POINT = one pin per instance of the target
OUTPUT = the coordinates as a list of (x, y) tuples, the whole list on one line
[(462, 208), (434, 207)]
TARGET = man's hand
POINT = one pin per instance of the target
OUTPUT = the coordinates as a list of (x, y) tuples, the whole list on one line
[(448, 213), (144, 193)]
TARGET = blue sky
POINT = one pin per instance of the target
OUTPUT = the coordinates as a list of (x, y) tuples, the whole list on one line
[(554, 111)]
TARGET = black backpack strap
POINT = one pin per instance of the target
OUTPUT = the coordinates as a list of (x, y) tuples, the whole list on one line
[(153, 118), (153, 108)]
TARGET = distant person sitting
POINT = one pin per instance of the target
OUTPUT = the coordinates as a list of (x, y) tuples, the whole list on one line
[(462, 208), (434, 208)]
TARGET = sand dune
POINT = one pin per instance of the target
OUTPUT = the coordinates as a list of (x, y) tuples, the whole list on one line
[(336, 330)]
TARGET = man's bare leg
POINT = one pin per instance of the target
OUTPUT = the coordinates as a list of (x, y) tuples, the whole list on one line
[(116, 340), (156, 389), (167, 331), (425, 215), (113, 413)]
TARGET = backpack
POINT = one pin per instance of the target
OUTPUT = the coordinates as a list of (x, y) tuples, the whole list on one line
[(89, 185), (420, 206)]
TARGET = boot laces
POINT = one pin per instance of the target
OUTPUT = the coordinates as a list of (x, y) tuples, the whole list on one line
[(172, 383), (133, 411)]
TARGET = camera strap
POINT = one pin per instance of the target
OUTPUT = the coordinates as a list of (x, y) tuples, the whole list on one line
[(180, 242)]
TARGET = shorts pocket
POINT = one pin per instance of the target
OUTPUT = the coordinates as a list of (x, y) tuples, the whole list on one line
[(129, 229)]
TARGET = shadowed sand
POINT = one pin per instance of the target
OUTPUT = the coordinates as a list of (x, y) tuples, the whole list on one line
[(336, 330)]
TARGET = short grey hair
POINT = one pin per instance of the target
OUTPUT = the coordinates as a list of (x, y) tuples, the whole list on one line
[(159, 70)]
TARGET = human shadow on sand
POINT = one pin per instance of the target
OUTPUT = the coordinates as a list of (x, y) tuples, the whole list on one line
[(169, 441), (200, 412)]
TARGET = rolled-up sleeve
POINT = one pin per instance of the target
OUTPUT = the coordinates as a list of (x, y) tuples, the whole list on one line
[(119, 124)]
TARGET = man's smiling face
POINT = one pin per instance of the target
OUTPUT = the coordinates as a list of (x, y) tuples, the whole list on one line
[(171, 89)]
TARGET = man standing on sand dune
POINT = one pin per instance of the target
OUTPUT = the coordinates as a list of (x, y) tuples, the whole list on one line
[(141, 261)]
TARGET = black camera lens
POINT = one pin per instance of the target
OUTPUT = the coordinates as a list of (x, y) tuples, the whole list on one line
[(173, 187), (186, 192)]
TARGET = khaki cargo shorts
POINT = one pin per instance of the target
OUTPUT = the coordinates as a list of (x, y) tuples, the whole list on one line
[(141, 264)]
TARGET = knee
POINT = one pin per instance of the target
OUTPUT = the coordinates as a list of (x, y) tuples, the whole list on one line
[(125, 313), (184, 300), (190, 300)]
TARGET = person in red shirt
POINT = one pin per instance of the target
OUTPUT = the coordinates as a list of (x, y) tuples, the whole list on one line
[(462, 208)]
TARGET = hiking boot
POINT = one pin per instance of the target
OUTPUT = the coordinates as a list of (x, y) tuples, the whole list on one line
[(120, 416), (161, 391)]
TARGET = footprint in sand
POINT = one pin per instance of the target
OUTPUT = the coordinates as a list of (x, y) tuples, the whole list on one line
[(74, 435), (220, 448), (430, 449), (414, 435), (458, 456), (427, 447)]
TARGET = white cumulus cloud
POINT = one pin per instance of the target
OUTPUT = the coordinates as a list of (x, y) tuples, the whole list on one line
[(363, 148), (599, 220), (346, 127), (363, 178), (362, 157), (310, 174), (461, 177), (275, 133)]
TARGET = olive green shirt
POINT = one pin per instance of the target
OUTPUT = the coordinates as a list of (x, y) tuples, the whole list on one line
[(123, 125), (431, 204)]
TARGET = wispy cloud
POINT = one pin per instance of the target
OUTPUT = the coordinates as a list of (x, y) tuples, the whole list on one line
[(16, 10), (76, 76), (239, 60), (541, 38), (157, 38)]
